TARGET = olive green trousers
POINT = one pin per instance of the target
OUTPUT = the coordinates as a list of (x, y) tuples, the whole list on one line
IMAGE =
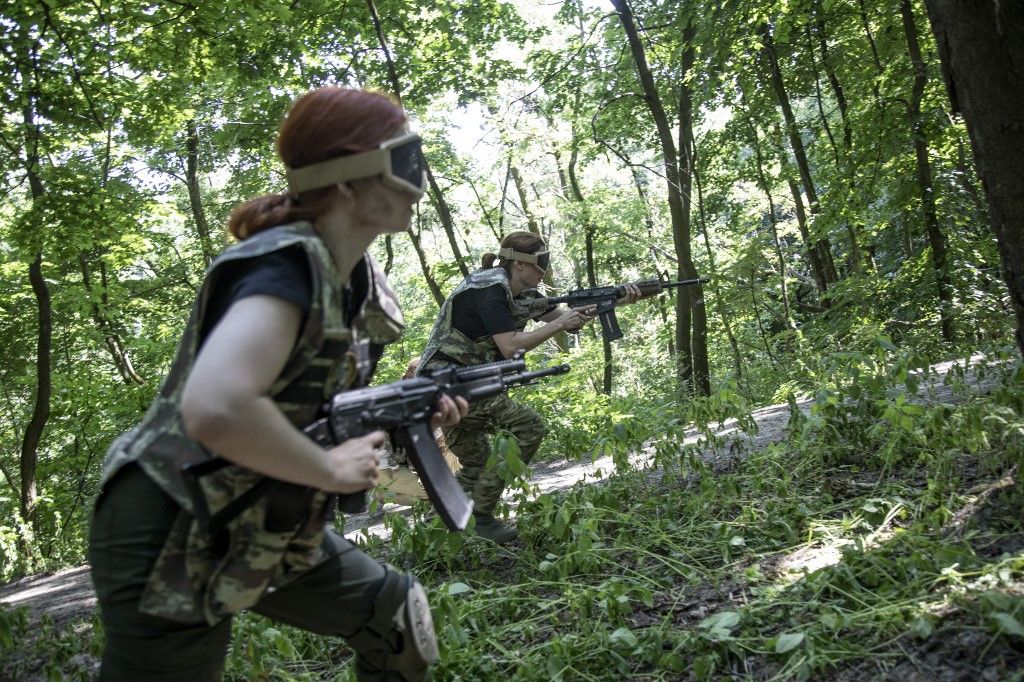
[(130, 523)]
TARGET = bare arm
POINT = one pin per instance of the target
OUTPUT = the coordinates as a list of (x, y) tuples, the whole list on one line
[(557, 320), (226, 408)]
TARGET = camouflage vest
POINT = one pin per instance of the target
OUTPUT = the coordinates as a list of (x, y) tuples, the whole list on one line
[(207, 575), (456, 345)]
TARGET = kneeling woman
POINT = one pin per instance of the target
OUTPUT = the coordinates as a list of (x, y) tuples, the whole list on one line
[(483, 320), (293, 313)]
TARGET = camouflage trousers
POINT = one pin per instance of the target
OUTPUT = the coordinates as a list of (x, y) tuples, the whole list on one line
[(470, 440)]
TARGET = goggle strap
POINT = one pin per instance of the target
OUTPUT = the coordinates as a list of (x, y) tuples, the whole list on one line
[(531, 258), (327, 173)]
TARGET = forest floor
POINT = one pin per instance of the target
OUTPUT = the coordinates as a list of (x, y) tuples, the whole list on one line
[(63, 603)]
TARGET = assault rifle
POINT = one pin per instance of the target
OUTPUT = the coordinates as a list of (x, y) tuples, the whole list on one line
[(404, 409), (604, 298)]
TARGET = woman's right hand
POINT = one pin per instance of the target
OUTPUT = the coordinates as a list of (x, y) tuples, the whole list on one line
[(572, 320), (352, 465)]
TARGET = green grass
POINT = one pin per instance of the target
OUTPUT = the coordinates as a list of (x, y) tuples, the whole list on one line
[(882, 538)]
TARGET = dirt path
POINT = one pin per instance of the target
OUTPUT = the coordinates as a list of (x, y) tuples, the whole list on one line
[(67, 596)]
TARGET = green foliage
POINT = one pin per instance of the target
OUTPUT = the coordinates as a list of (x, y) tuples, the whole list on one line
[(630, 578)]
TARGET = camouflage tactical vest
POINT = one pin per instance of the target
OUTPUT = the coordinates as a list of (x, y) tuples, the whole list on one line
[(456, 345), (205, 574)]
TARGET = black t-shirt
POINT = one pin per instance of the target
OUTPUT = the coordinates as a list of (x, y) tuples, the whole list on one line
[(284, 274), (479, 313)]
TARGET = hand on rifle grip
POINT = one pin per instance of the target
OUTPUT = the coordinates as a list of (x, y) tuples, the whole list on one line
[(352, 464)]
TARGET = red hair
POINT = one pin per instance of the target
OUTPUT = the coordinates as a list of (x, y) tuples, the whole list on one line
[(322, 124)]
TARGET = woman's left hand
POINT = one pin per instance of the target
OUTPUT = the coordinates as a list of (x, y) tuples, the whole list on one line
[(449, 412), (632, 295)]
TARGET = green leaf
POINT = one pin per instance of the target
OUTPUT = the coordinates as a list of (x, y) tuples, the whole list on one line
[(1008, 624), (721, 620), (623, 638), (788, 642), (922, 627), (458, 588)]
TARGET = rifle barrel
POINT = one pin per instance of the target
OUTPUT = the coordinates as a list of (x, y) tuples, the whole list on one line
[(685, 282)]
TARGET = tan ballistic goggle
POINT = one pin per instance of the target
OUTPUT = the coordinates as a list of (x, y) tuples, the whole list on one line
[(398, 160), (541, 258)]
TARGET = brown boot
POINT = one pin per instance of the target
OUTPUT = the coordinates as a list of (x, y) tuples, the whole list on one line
[(494, 530)]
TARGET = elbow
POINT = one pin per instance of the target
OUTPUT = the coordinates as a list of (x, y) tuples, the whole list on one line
[(508, 350), (207, 421)]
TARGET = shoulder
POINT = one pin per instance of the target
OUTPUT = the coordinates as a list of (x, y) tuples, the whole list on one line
[(276, 238)]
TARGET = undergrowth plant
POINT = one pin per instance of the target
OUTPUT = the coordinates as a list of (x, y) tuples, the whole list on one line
[(888, 520), (884, 528)]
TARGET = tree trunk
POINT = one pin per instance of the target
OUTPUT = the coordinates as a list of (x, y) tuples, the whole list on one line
[(41, 409), (111, 338), (435, 290), (715, 281), (692, 352), (194, 195), (776, 244), (44, 336), (649, 222), (100, 309), (833, 79), (822, 245), (982, 57), (936, 239), (592, 280), (757, 316)]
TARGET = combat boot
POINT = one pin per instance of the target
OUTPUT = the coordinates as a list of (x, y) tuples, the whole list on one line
[(494, 530)]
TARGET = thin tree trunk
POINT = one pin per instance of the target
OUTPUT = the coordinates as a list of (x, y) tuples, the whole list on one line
[(41, 408), (435, 290), (484, 211), (833, 79), (757, 316), (194, 195), (715, 281), (982, 55), (692, 353), (649, 222), (822, 244), (695, 294), (857, 256), (389, 251), (111, 338), (29, 458), (436, 195), (766, 188), (100, 309), (936, 239), (592, 280)]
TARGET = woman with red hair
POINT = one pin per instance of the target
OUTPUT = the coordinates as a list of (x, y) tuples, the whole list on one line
[(216, 501)]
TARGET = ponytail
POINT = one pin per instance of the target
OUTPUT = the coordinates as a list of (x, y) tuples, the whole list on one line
[(271, 210)]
